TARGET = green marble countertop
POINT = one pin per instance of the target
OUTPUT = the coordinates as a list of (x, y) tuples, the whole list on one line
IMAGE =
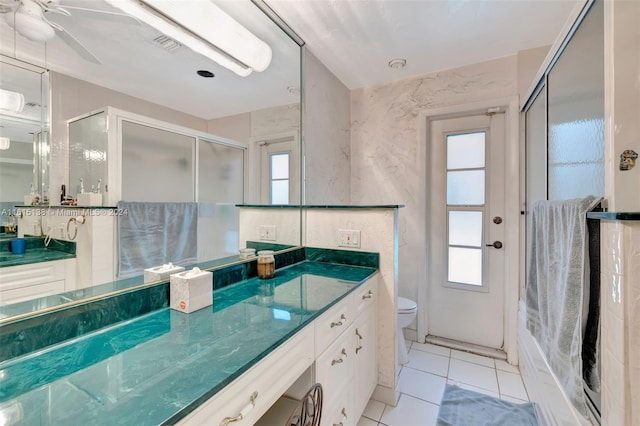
[(32, 255), (159, 367)]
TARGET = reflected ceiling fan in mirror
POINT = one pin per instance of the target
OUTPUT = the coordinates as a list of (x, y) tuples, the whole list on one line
[(29, 19)]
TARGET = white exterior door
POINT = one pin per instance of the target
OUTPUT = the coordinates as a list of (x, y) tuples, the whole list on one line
[(279, 171), (466, 228)]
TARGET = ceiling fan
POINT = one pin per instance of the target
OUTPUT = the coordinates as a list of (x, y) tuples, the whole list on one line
[(28, 18)]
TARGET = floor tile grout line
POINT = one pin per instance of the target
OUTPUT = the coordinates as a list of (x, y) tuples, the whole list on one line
[(421, 399), (428, 372)]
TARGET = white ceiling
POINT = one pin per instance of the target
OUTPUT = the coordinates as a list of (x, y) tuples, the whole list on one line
[(356, 39)]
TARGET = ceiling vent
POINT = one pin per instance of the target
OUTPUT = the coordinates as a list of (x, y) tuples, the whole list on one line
[(167, 43)]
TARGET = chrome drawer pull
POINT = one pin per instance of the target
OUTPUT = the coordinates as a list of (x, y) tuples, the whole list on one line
[(339, 323), (243, 412), (341, 359), (369, 295), (360, 340)]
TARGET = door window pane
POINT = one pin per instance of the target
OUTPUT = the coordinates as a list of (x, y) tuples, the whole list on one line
[(280, 192), (279, 169), (465, 265), (465, 228), (465, 187), (465, 151), (280, 166)]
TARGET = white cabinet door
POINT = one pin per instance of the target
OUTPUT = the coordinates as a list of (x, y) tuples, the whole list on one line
[(365, 354), (334, 371)]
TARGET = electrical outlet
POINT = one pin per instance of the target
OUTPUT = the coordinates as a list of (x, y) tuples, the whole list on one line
[(268, 232), (348, 238)]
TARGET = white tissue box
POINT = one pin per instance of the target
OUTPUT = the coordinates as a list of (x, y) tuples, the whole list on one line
[(28, 200), (159, 273), (89, 199), (191, 290)]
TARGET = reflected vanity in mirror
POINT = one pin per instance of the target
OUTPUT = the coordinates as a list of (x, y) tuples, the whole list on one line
[(145, 121)]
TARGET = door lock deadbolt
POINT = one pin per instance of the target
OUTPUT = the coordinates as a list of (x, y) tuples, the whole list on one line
[(497, 220)]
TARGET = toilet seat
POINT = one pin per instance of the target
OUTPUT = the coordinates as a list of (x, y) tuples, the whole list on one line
[(406, 305)]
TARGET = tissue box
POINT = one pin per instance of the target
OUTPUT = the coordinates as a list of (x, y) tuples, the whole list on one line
[(191, 290), (89, 199), (159, 273), (28, 200)]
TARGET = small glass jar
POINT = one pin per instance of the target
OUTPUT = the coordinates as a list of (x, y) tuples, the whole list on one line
[(246, 253), (266, 264)]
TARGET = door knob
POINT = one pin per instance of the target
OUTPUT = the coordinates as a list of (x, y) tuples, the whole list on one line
[(496, 244)]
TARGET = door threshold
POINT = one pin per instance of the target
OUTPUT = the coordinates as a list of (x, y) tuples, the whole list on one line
[(466, 347)]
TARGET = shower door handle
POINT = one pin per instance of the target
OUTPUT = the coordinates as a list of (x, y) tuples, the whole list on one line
[(496, 244)]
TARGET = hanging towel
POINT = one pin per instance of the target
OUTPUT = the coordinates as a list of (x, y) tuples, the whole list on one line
[(152, 234), (555, 288)]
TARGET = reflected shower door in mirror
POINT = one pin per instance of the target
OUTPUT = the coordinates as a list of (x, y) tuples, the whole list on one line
[(132, 66), (24, 143)]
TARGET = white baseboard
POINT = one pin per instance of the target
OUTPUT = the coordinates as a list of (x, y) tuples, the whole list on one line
[(387, 395)]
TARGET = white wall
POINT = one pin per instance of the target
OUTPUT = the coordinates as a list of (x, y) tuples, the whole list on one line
[(285, 220), (388, 160), (326, 135)]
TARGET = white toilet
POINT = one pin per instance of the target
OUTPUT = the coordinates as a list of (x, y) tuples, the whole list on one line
[(407, 310)]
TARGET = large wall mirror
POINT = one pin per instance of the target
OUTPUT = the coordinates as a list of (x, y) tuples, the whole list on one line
[(97, 56), (24, 143)]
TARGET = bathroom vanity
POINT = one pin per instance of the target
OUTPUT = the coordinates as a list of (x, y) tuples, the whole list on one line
[(40, 271), (313, 322)]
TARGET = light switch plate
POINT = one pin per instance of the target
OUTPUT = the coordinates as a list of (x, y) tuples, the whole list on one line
[(349, 238), (268, 232)]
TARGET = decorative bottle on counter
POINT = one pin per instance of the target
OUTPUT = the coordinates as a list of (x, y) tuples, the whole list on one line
[(266, 264)]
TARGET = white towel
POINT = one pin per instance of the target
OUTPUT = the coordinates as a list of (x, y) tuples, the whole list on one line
[(555, 288)]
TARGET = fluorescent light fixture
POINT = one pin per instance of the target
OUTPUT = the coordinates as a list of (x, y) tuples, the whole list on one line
[(11, 101), (205, 29), (5, 143)]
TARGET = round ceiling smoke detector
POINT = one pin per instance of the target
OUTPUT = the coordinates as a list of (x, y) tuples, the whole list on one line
[(398, 63)]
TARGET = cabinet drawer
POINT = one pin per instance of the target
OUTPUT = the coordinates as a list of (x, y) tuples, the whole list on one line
[(333, 323), (20, 294), (367, 295), (14, 277), (334, 368), (339, 411), (267, 380)]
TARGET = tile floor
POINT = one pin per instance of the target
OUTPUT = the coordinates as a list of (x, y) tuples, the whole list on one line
[(423, 378)]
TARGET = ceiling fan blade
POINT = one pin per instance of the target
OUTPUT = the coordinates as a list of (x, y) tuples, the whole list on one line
[(76, 45)]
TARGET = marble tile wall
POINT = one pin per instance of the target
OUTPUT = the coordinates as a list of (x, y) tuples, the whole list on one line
[(620, 319), (621, 239), (327, 151)]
